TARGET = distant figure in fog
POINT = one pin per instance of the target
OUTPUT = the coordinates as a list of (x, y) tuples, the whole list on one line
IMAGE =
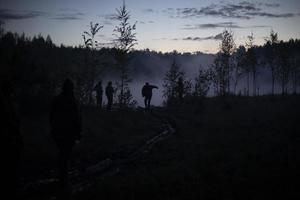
[(147, 94), (99, 92), (65, 124), (12, 144), (109, 91), (180, 88)]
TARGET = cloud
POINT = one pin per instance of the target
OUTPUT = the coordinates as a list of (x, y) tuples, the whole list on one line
[(271, 5), (258, 26), (69, 16), (271, 15), (110, 17), (64, 14), (211, 26), (148, 22), (227, 11), (241, 10), (107, 23), (213, 37), (68, 10), (148, 10), (230, 25), (7, 14)]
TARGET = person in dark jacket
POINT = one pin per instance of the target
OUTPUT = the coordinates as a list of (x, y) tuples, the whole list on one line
[(65, 124), (147, 94), (12, 141), (109, 91), (99, 92)]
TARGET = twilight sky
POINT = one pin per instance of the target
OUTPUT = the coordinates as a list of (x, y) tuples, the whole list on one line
[(162, 25)]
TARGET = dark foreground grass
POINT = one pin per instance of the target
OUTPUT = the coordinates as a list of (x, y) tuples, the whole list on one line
[(106, 134), (240, 148)]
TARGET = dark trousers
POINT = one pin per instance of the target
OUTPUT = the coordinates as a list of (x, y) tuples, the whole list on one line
[(109, 102), (147, 101), (99, 101), (63, 166)]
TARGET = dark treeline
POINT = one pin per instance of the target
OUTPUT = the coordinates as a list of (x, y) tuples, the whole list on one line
[(37, 67), (240, 71), (248, 62)]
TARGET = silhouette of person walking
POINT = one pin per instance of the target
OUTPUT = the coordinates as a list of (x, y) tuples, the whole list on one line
[(99, 92), (109, 91), (65, 124), (12, 141), (147, 94)]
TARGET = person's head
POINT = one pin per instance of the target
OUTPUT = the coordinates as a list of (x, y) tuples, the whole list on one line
[(109, 83), (99, 82), (146, 83), (68, 87)]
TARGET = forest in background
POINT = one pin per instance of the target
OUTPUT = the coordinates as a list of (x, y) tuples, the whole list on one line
[(37, 67)]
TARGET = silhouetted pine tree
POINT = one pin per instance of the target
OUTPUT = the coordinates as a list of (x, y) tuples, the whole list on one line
[(170, 82), (239, 65), (222, 64), (92, 68), (294, 62), (202, 82), (270, 56), (283, 69), (1, 29), (251, 63), (125, 39)]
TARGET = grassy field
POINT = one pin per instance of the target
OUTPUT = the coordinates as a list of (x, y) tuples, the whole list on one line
[(237, 148), (244, 148), (105, 135)]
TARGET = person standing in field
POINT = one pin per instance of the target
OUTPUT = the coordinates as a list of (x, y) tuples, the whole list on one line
[(147, 94), (12, 142), (99, 92), (109, 92), (65, 122)]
